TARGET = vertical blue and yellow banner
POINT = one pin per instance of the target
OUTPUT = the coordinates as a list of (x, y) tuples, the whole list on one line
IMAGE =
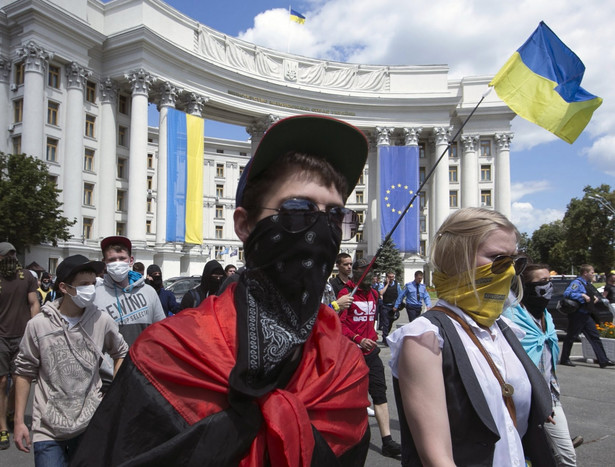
[(184, 177), (399, 179)]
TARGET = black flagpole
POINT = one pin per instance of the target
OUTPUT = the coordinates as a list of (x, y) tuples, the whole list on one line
[(418, 190)]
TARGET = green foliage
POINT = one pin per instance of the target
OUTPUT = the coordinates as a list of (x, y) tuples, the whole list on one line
[(29, 206), (390, 258)]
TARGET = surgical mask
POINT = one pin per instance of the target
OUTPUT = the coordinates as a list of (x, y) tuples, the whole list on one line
[(85, 295), (118, 270)]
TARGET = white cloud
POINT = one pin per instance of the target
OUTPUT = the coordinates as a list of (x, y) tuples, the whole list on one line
[(601, 154), (521, 189), (527, 218)]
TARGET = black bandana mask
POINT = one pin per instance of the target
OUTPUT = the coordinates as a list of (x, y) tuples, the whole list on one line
[(277, 300), (536, 296)]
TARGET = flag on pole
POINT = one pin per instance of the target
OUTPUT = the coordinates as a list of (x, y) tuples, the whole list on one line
[(399, 179), (184, 177), (234, 252), (541, 82), (297, 17)]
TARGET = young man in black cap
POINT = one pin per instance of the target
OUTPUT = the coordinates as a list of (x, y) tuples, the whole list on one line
[(262, 373), (61, 349)]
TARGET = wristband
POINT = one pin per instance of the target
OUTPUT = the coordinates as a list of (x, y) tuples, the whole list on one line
[(335, 306)]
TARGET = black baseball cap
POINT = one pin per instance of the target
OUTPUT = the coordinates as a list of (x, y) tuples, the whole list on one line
[(77, 263), (116, 240), (344, 146)]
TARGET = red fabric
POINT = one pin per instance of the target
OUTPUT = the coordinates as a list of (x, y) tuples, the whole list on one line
[(189, 357), (360, 317)]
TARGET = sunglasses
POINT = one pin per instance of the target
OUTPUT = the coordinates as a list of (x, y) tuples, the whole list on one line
[(297, 215), (501, 263)]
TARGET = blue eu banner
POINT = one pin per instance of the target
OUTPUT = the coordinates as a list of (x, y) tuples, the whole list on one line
[(399, 179)]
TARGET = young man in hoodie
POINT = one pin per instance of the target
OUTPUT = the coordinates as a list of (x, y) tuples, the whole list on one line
[(61, 349), (210, 283), (132, 303), (261, 374), (167, 298)]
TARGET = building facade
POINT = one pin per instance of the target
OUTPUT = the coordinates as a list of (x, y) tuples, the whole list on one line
[(78, 79)]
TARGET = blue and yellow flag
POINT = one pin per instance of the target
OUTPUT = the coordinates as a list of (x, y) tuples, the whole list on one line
[(399, 179), (541, 82), (184, 177), (297, 17)]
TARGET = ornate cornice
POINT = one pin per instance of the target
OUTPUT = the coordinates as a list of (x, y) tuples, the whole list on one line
[(442, 135), (195, 103), (411, 136), (76, 76), (259, 126), (35, 57), (108, 91), (470, 142), (384, 135), (140, 81), (503, 140), (168, 94)]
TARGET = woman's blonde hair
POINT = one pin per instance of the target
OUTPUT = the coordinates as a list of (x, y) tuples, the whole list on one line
[(454, 248)]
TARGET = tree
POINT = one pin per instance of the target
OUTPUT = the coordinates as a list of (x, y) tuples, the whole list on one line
[(544, 239), (29, 206), (390, 258)]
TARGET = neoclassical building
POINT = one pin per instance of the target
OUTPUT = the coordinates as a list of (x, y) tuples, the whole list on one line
[(79, 77)]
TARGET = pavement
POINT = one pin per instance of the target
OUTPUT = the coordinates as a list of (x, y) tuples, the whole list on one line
[(587, 398)]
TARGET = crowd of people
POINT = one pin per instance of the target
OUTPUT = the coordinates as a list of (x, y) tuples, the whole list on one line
[(276, 363)]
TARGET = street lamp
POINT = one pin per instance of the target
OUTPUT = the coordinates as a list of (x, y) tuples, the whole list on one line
[(603, 202)]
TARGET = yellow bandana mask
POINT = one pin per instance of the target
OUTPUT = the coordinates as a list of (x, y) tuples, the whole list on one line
[(486, 304)]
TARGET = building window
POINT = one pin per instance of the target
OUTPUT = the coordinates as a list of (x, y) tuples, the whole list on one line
[(121, 203), (422, 199), (88, 160), (90, 92), (422, 224), (120, 228), (453, 198), (54, 179), (52, 265), (122, 104), (88, 194), (485, 173), (485, 197), (219, 151), (149, 205), (150, 181), (421, 174), (422, 247), (220, 170), (219, 191), (18, 110), (485, 148), (358, 254), (87, 228), (90, 120), (452, 150), (19, 73), (53, 77), (422, 150), (219, 232), (361, 179), (121, 136), (52, 150), (150, 160), (52, 113), (218, 249), (452, 174), (240, 256), (241, 169), (148, 226), (360, 197), (359, 236), (219, 211), (121, 168), (17, 144), (242, 153), (361, 216)]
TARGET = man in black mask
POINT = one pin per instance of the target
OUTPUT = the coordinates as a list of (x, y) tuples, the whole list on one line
[(540, 343), (167, 299), (261, 374), (210, 283)]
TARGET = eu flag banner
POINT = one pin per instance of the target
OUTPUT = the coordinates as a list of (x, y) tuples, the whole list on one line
[(184, 177), (399, 179), (297, 17), (541, 82)]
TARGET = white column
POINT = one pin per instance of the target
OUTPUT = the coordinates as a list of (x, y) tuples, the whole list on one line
[(411, 138), (5, 135), (258, 128), (169, 95), (469, 171), (502, 174), (34, 111), (441, 199), (72, 185), (107, 166), (372, 227), (140, 81)]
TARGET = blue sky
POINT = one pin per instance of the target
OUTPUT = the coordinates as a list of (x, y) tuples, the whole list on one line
[(473, 38)]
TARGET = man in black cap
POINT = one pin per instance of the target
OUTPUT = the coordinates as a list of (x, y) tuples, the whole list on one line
[(18, 303), (167, 298), (262, 373)]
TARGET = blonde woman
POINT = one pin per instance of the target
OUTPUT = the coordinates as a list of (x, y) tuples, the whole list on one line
[(467, 393)]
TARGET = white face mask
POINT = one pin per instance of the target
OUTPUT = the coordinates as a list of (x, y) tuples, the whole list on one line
[(85, 295), (118, 270)]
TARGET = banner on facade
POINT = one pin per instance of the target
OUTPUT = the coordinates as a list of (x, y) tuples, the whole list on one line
[(184, 177), (399, 179)]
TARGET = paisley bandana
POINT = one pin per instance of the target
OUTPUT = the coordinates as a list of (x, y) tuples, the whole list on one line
[(485, 304), (277, 300), (536, 296)]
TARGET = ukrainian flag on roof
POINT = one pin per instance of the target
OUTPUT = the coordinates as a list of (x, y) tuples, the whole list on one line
[(541, 82), (297, 17)]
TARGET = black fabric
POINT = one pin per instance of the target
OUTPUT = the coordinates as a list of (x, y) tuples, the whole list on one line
[(337, 285), (324, 456), (473, 430), (390, 294), (579, 322), (377, 382)]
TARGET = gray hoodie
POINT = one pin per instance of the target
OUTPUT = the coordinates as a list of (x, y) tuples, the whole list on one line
[(65, 363), (133, 308)]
